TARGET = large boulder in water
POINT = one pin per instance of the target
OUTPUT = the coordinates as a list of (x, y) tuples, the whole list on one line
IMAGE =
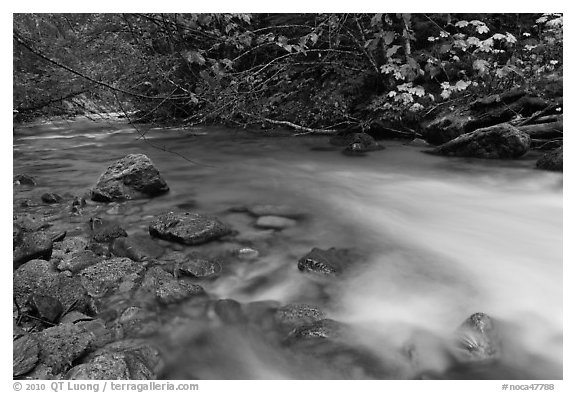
[(130, 177), (551, 161), (499, 141), (355, 142), (477, 339), (188, 228)]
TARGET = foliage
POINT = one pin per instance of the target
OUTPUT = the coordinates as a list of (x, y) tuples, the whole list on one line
[(315, 70)]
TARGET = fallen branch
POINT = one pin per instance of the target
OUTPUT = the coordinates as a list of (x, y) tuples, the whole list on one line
[(307, 130), (544, 130)]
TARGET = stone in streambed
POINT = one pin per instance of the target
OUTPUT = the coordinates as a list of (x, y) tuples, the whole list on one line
[(61, 345), (104, 232), (31, 245), (50, 198), (293, 315), (276, 210), (327, 262), (188, 228), (229, 311), (39, 277), (197, 266), (168, 289), (46, 307), (274, 222), (78, 261), (137, 248), (128, 178), (551, 161), (324, 328), (25, 351), (24, 180), (116, 274), (478, 339), (122, 360), (499, 141)]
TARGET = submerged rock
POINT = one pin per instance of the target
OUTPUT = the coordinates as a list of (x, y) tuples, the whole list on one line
[(50, 197), (188, 228), (104, 232), (137, 248), (168, 289), (230, 311), (329, 262), (197, 266), (551, 161), (274, 222), (499, 141), (324, 328), (128, 178), (477, 339), (31, 245), (25, 351), (276, 210), (24, 180)]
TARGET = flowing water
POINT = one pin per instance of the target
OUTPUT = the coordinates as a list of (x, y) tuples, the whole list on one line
[(441, 238)]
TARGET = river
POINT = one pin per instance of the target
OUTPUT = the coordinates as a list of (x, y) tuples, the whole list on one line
[(442, 238)]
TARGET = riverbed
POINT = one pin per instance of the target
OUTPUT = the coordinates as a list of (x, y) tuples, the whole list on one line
[(440, 239)]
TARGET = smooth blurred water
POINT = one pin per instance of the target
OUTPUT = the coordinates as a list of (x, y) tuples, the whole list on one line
[(442, 238)]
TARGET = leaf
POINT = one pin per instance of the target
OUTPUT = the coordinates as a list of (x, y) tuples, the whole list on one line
[(194, 57), (542, 19), (444, 34), (375, 20), (482, 29), (510, 38), (445, 94), (462, 23), (498, 36), (462, 85), (392, 50), (481, 66), (388, 37)]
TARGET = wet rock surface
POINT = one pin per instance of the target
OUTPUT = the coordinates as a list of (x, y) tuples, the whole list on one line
[(168, 289), (137, 248), (31, 245), (24, 180), (25, 351), (39, 277), (197, 266), (552, 161), (116, 274), (61, 345), (293, 315), (478, 339), (130, 177), (188, 228), (499, 141), (78, 261), (274, 222), (332, 261)]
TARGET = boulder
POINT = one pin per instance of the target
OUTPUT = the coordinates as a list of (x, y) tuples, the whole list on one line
[(25, 351), (24, 180), (477, 339), (78, 261), (188, 228), (229, 311), (274, 222), (50, 197), (38, 277), (122, 360), (31, 245), (327, 262), (128, 178), (116, 274), (197, 266), (324, 328), (61, 345), (293, 315), (168, 289), (46, 307), (355, 142), (137, 247), (551, 161), (499, 141)]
